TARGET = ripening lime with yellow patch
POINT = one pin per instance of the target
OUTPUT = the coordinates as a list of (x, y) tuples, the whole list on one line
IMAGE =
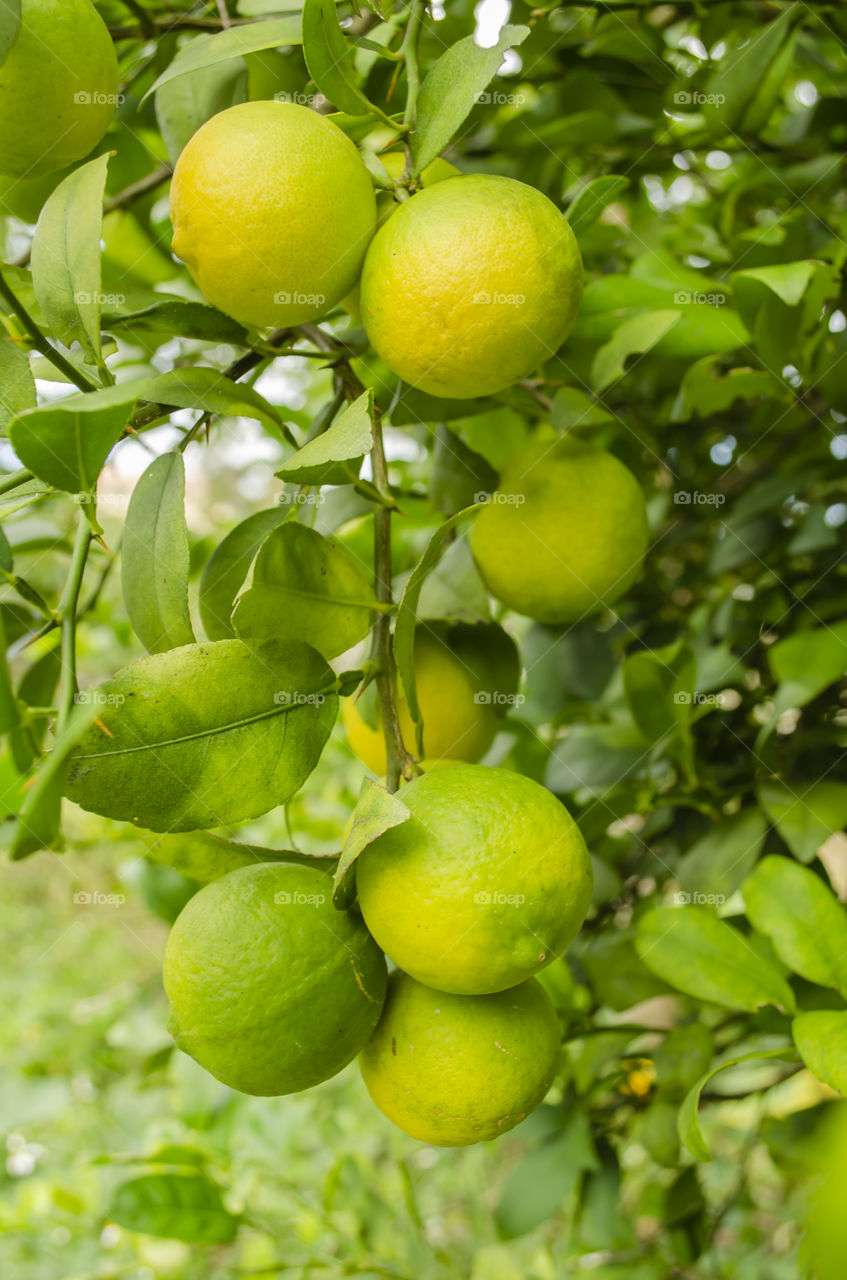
[(564, 534), (271, 988), (453, 1070), (470, 285), (484, 884), (58, 87), (272, 209)]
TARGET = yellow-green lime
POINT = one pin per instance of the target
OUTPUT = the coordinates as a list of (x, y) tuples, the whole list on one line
[(273, 210), (272, 989), (565, 534), (58, 87), (486, 883), (459, 723), (470, 285), (453, 1070)]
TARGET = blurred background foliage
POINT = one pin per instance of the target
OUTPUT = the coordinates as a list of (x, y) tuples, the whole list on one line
[(709, 355)]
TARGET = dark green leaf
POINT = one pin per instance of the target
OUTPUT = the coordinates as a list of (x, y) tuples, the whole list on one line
[(802, 918), (176, 1206), (715, 866), (66, 443), (659, 688), (210, 390), (207, 51), (590, 202), (543, 1180), (228, 567), (805, 814), (329, 58)]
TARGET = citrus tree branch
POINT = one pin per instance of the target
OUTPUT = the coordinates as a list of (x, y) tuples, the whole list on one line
[(39, 341), (67, 616)]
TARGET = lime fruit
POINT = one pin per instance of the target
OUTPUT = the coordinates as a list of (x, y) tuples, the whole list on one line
[(458, 692), (470, 285), (272, 211), (565, 534), (486, 883), (58, 87), (272, 989), (453, 1070)]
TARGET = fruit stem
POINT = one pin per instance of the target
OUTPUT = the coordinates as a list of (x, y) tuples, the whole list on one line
[(67, 613), (39, 341)]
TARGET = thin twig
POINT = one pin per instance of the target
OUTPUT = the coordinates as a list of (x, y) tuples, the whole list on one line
[(39, 340), (67, 614)]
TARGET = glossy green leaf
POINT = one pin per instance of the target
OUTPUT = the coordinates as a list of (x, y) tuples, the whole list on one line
[(66, 257), (335, 456), (572, 409), (176, 1206), (694, 951), (821, 1040), (329, 57), (154, 557), (803, 919), (205, 857), (805, 663), (545, 1177), (716, 865), (227, 568), (377, 811), (590, 202), (305, 587), (688, 1120), (205, 735), (737, 77), (188, 100), (407, 614), (452, 88), (17, 386), (805, 814), (152, 313), (210, 390), (208, 51), (66, 443)]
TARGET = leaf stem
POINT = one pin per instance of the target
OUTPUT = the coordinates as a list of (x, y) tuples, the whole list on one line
[(67, 613), (14, 480), (39, 341), (409, 54)]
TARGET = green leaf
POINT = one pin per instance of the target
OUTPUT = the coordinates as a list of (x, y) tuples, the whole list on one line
[(788, 280), (821, 1040), (67, 442), (704, 392), (805, 663), (207, 51), (175, 317), (17, 385), (305, 587), (545, 1177), (204, 857), (377, 811), (688, 1121), (228, 566), (716, 865), (329, 58), (635, 336), (805, 814), (210, 390), (187, 101), (597, 756), (66, 257), (154, 557), (205, 735), (590, 202), (459, 476), (736, 80), (407, 614), (10, 21), (697, 953), (452, 88), (39, 817), (335, 456), (174, 1205), (802, 918), (573, 408), (659, 687), (10, 712)]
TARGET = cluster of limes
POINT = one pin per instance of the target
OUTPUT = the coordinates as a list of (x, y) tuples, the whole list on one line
[(464, 287)]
